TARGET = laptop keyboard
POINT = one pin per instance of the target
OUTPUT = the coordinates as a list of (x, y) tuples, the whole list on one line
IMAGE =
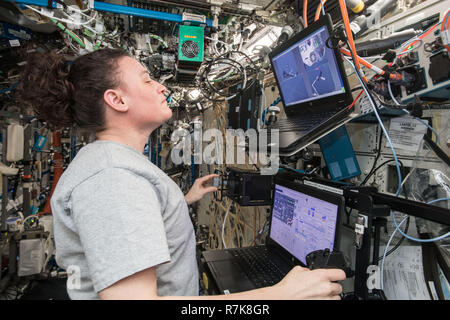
[(255, 261), (301, 123)]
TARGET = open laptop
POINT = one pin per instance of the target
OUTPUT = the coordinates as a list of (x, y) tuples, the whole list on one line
[(313, 87), (303, 219)]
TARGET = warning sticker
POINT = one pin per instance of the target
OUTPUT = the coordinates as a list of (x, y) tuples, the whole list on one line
[(406, 133)]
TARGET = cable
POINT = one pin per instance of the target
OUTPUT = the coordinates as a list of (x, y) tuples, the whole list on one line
[(69, 32), (319, 7), (218, 91), (274, 103), (436, 200), (426, 124), (384, 255), (223, 225), (418, 37), (305, 12), (372, 102), (391, 93), (62, 20), (421, 240), (420, 120), (228, 61), (366, 63), (398, 168), (398, 243), (349, 33), (445, 28), (408, 44), (373, 170)]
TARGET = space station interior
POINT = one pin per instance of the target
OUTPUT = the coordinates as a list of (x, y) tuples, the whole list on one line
[(325, 122)]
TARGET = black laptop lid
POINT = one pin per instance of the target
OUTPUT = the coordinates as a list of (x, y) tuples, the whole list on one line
[(304, 219), (310, 76)]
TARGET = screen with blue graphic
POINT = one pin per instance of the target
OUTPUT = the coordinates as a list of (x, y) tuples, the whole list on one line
[(302, 223), (308, 70)]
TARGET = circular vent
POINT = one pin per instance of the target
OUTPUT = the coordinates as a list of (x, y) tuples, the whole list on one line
[(189, 49)]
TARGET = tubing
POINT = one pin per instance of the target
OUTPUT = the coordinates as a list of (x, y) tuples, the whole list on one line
[(344, 12)]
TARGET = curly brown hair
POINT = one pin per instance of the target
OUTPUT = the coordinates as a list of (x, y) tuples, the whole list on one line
[(64, 95)]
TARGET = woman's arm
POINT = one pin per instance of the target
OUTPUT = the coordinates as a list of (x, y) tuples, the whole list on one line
[(300, 283)]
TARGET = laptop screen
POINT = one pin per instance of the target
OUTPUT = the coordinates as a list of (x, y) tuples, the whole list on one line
[(308, 70), (302, 223)]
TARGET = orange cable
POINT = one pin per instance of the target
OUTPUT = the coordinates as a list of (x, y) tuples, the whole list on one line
[(319, 7), (344, 13), (305, 12)]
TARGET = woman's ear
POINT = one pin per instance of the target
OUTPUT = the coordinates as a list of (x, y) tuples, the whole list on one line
[(114, 99)]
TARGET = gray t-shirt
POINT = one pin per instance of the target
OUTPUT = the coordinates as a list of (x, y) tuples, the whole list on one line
[(115, 213)]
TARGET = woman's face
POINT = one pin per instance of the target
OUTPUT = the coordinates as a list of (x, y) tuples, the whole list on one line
[(144, 96)]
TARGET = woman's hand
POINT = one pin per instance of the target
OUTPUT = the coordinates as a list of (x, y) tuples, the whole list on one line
[(200, 188), (302, 283)]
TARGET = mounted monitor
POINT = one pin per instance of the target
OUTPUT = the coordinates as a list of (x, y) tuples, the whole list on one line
[(309, 74)]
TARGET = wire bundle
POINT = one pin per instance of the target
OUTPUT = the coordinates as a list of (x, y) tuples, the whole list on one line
[(223, 72)]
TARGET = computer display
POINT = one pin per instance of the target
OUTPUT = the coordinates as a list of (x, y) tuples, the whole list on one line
[(302, 223), (308, 70)]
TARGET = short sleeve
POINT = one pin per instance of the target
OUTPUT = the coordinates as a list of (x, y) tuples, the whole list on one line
[(119, 222)]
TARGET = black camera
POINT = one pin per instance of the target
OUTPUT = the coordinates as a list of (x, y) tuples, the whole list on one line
[(247, 188)]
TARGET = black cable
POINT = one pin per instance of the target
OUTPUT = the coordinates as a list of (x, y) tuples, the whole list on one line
[(377, 168), (363, 84), (404, 191), (399, 242), (439, 106), (221, 57), (397, 245), (209, 83), (375, 161), (248, 85), (348, 213)]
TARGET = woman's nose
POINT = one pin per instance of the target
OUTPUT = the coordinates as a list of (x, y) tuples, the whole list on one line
[(162, 88)]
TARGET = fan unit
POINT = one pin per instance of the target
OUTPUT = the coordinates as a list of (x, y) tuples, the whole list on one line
[(190, 52), (190, 49)]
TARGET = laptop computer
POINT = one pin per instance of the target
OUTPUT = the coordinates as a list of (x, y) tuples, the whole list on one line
[(313, 87), (303, 219)]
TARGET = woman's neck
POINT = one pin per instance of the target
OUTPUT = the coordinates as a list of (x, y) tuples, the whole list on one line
[(129, 138)]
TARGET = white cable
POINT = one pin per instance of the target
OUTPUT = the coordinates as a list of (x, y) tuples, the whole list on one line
[(86, 15), (398, 170), (223, 225), (382, 127), (418, 119), (61, 20), (421, 240), (407, 43), (391, 94), (323, 10), (385, 251), (426, 124), (215, 41)]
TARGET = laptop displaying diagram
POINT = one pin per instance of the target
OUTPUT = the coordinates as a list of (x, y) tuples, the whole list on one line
[(303, 219)]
